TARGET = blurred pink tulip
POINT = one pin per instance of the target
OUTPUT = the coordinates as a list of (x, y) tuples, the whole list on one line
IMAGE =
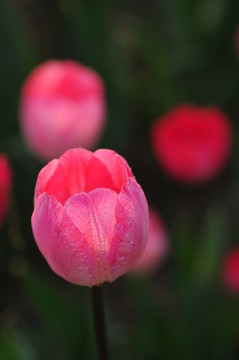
[(62, 106), (230, 270), (192, 143), (156, 247), (90, 218), (5, 185)]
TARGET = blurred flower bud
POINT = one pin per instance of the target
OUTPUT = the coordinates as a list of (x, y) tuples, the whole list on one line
[(230, 270), (62, 107), (156, 247), (5, 185), (191, 143)]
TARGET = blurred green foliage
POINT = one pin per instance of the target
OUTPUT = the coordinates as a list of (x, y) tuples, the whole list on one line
[(152, 55)]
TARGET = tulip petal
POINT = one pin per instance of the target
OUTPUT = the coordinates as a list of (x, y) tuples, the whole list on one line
[(94, 215), (131, 231), (61, 243), (98, 176), (116, 165), (64, 177), (74, 164), (44, 177)]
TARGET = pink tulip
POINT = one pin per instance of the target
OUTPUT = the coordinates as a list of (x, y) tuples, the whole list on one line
[(230, 270), (156, 247), (192, 143), (90, 218), (62, 106), (5, 185)]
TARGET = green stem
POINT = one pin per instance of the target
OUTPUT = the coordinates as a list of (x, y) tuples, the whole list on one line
[(99, 321)]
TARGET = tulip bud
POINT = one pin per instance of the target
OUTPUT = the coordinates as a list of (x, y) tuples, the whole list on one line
[(62, 106), (90, 218)]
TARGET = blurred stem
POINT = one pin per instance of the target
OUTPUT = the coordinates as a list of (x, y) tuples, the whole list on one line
[(99, 321)]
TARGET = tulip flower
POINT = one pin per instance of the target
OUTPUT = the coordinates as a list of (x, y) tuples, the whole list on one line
[(90, 218), (62, 106), (5, 185), (230, 270), (192, 144), (156, 247)]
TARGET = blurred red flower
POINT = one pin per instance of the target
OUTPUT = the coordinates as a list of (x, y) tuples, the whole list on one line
[(192, 143), (230, 270), (5, 185), (62, 107)]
